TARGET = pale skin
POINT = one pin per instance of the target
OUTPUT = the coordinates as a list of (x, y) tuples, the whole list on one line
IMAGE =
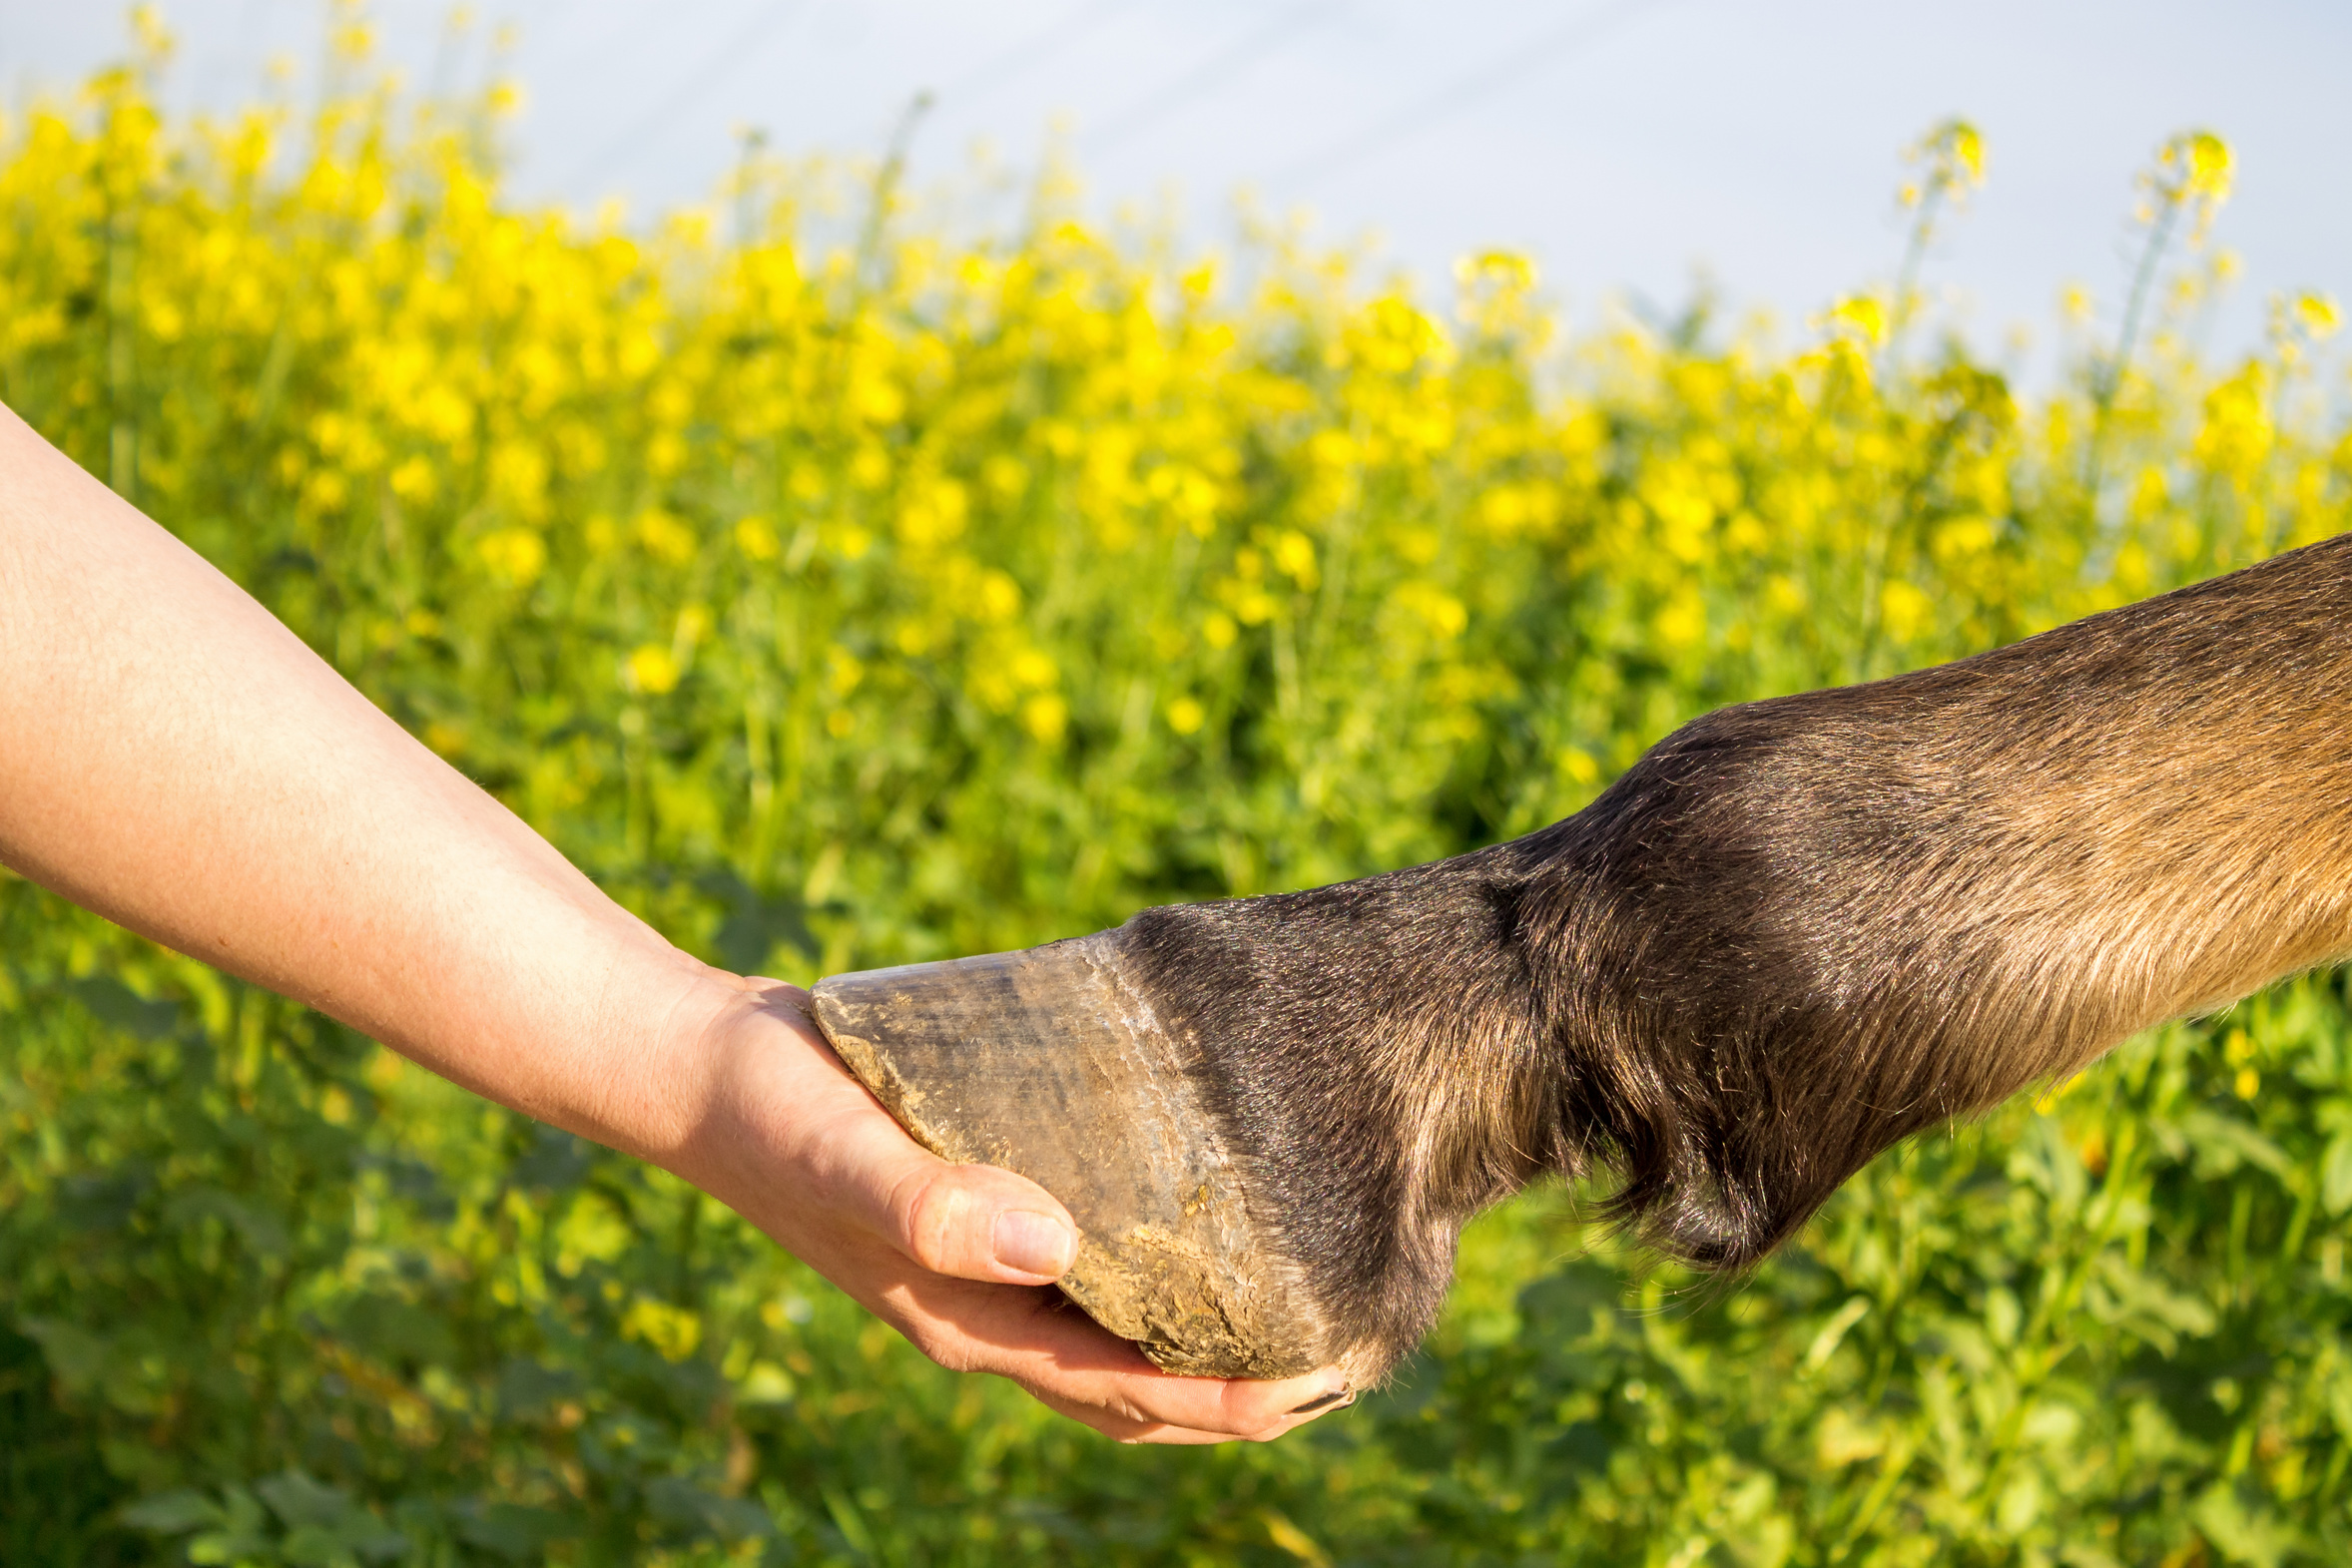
[(175, 759)]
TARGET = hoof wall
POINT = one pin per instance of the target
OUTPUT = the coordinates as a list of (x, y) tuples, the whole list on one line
[(1044, 1062)]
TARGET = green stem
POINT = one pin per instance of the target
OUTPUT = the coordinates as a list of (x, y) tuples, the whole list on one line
[(886, 186), (1915, 255), (2107, 380)]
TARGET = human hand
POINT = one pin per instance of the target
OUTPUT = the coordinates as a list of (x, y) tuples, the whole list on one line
[(959, 1258)]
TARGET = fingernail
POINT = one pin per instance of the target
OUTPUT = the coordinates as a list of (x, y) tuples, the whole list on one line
[(1342, 1396), (1030, 1242)]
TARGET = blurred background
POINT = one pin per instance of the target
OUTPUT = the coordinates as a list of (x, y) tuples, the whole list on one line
[(845, 570), (1626, 144)]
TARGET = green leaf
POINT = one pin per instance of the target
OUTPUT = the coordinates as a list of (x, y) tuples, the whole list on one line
[(2335, 1174), (298, 1500), (513, 1530), (256, 1226), (396, 1330), (117, 1004), (705, 1514), (756, 923), (313, 1546), (528, 1388), (173, 1514), (1825, 1343), (76, 1357), (1564, 1304), (2242, 1529), (98, 1202), (2223, 1142), (230, 1546), (555, 1160)]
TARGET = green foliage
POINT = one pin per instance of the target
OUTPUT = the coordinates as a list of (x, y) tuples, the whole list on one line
[(836, 610)]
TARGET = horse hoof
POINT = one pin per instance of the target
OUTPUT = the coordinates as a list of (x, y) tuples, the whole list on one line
[(1046, 1062)]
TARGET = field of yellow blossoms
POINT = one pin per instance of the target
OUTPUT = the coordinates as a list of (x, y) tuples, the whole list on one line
[(842, 590)]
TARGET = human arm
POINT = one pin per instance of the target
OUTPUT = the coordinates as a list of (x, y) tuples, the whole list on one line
[(175, 759)]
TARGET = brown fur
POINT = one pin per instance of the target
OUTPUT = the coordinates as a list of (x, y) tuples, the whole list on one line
[(1794, 933)]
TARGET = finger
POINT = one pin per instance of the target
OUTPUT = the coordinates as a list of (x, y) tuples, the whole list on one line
[(1120, 1429), (975, 1222), (968, 1222), (1127, 1430), (1219, 1408), (1070, 1362)]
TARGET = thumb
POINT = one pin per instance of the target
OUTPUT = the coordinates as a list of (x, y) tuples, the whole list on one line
[(973, 1221)]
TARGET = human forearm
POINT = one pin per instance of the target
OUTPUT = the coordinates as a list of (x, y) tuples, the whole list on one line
[(174, 758)]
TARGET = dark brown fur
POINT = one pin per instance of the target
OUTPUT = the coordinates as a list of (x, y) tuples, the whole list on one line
[(1794, 933)]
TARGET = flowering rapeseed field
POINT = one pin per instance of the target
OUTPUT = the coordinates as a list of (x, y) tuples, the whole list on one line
[(847, 604)]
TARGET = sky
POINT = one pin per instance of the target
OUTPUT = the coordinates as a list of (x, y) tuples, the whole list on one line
[(1629, 147)]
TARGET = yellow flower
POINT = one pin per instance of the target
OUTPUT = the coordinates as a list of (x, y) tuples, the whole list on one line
[(1865, 316), (1005, 475), (2207, 163), (1439, 612), (2237, 433), (1046, 716), (1294, 554), (1682, 622), (652, 669), (1951, 158), (934, 515), (756, 538), (1967, 149), (1961, 538), (414, 481), (875, 400), (1502, 510), (1032, 670), (665, 537), (670, 1330), (518, 478), (843, 671), (666, 452), (1186, 715), (2192, 170), (999, 598), (1903, 610), (515, 556)]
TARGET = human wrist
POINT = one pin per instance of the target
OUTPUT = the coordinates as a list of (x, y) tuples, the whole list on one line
[(707, 1079), (647, 1086)]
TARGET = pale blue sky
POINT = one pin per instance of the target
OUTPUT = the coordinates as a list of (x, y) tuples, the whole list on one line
[(1623, 143)]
